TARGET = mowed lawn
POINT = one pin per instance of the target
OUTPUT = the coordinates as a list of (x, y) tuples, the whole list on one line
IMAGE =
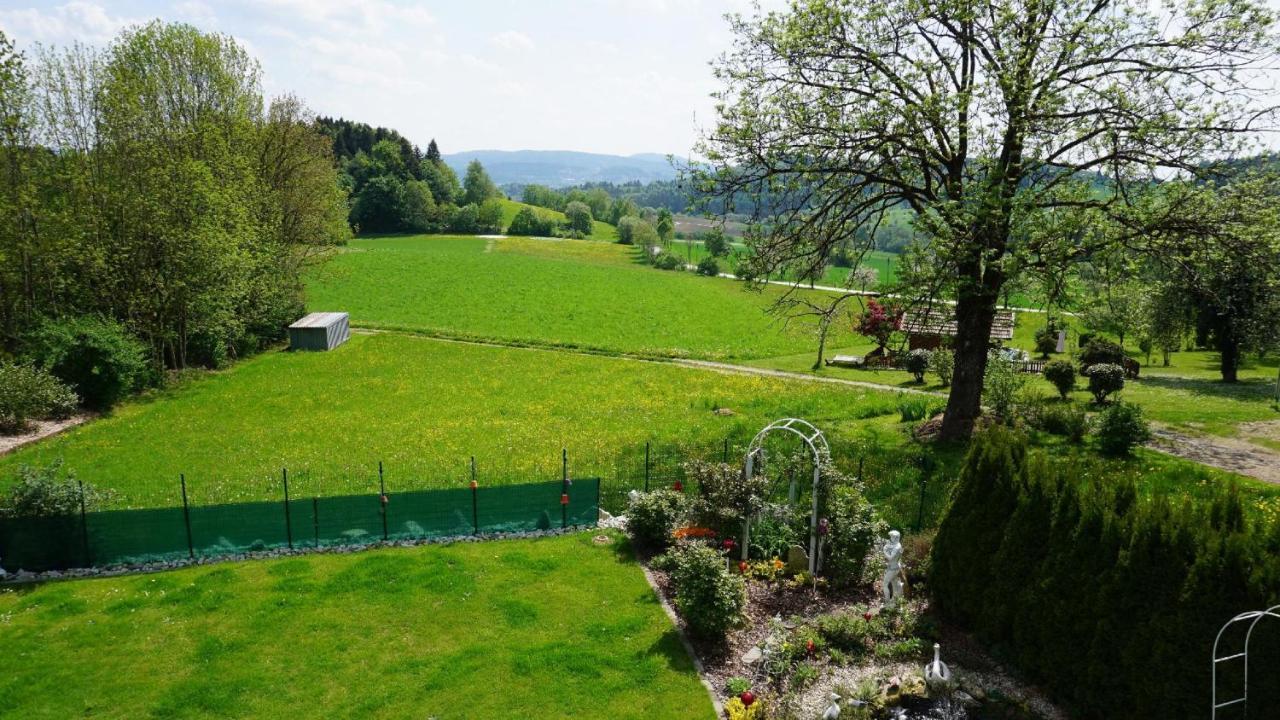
[(553, 627), (568, 293), (423, 407)]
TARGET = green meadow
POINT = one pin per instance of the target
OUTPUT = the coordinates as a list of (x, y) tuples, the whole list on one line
[(422, 407), (563, 293), (554, 627)]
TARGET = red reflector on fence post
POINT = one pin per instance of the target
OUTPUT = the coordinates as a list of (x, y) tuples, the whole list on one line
[(564, 498)]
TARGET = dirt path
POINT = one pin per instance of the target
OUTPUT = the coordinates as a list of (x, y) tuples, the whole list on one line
[(789, 375), (1230, 454)]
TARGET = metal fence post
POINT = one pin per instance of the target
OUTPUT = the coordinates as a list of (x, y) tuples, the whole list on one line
[(475, 512), (382, 500), (646, 466), (564, 488), (860, 459), (288, 524), (725, 458), (924, 479), (315, 518), (186, 518), (84, 526)]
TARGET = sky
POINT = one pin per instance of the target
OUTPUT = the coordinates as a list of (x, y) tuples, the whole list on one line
[(607, 76)]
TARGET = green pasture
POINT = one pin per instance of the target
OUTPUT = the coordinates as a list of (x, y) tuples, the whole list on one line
[(554, 627), (563, 293), (422, 407)]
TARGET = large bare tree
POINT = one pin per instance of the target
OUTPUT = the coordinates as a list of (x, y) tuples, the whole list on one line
[(1005, 127)]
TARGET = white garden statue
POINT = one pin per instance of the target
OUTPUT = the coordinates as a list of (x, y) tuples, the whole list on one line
[(894, 586)]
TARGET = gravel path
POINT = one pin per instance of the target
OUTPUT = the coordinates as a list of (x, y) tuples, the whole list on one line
[(41, 430), (1230, 454)]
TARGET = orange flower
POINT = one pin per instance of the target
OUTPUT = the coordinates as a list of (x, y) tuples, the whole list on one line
[(693, 532), (778, 564)]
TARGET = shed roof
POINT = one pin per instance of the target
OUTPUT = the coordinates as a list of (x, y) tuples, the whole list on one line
[(318, 320), (942, 322)]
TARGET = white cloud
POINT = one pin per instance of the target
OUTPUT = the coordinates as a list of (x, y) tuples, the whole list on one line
[(196, 13), (512, 40), (350, 16), (82, 21)]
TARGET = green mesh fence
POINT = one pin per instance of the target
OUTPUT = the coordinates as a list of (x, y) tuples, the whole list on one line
[(134, 536)]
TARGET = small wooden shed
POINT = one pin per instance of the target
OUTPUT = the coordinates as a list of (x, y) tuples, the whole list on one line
[(929, 329), (319, 331)]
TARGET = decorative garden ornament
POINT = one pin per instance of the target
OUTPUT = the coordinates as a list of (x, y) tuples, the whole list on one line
[(937, 676), (833, 710), (893, 582)]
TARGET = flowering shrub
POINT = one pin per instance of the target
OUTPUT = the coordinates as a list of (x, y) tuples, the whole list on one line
[(917, 362), (709, 598), (653, 517), (1105, 379), (691, 532), (879, 322)]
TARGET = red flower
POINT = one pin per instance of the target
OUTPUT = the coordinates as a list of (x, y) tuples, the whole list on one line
[(867, 616), (742, 567), (747, 698), (809, 647)]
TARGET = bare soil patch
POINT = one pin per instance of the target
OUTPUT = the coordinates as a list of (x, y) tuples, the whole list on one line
[(40, 430)]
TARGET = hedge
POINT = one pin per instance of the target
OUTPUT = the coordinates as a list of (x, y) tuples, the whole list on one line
[(1108, 600)]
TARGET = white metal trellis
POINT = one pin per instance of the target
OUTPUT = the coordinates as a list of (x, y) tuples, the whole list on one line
[(817, 443), (1252, 618)]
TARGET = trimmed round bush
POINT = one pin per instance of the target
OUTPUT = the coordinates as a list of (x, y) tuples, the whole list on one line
[(653, 516), (1105, 379), (1098, 352), (1063, 376), (917, 362), (30, 393), (708, 596), (95, 356), (1046, 340), (1119, 428)]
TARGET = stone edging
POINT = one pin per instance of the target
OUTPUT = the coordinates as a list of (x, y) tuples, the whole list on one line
[(684, 639)]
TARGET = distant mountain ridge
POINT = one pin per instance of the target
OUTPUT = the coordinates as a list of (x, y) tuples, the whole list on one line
[(560, 168)]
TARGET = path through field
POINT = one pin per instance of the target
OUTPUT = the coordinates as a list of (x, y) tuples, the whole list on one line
[(1230, 454)]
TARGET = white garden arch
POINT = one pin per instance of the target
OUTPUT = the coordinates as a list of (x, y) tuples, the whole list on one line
[(1252, 618), (821, 451)]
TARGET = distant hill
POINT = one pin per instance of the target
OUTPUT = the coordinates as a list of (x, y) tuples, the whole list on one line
[(559, 168)]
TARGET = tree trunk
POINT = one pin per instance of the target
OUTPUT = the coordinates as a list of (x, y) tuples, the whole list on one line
[(974, 315), (822, 343), (1229, 347)]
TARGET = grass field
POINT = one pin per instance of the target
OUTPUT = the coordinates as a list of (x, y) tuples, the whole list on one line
[(422, 407), (599, 230), (554, 627), (566, 293)]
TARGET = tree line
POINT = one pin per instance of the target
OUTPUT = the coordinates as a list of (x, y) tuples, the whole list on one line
[(396, 187), (154, 207)]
